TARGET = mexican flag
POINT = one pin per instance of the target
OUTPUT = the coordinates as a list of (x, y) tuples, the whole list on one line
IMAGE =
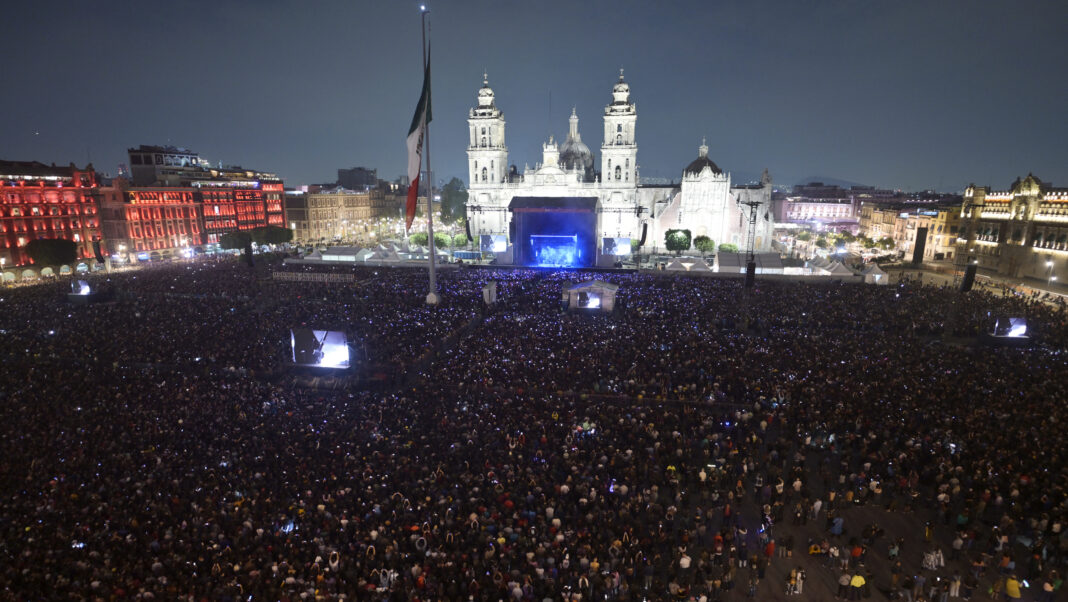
[(415, 146)]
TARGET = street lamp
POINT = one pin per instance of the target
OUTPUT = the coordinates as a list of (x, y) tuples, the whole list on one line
[(1049, 272)]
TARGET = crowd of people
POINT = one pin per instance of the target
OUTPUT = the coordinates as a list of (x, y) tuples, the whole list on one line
[(701, 442)]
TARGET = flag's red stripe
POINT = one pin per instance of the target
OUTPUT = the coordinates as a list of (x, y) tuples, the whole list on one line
[(409, 208)]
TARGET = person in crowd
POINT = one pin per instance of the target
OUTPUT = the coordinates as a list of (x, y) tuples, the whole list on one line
[(159, 445)]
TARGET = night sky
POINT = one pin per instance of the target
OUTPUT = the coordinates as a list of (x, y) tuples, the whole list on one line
[(907, 95)]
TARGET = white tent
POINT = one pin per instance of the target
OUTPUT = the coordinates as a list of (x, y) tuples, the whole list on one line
[(384, 254), (837, 269), (731, 263), (873, 274), (340, 254), (699, 265), (596, 295), (766, 263), (676, 265)]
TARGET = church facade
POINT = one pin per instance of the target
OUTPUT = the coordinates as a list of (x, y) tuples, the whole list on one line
[(704, 202)]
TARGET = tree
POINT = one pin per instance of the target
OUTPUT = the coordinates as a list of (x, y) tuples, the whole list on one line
[(805, 236), (453, 201), (867, 243), (704, 244), (635, 245), (441, 241), (460, 240), (821, 242), (677, 240), (236, 240), (52, 251), (419, 238), (728, 247), (271, 235), (886, 243)]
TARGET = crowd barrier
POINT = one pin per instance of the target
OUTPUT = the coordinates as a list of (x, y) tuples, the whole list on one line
[(314, 277)]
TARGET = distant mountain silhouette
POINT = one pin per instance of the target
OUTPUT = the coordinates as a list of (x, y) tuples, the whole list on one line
[(828, 181)]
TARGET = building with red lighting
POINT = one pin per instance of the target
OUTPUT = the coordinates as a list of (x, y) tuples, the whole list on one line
[(46, 201), (230, 197), (230, 205), (178, 200), (156, 220)]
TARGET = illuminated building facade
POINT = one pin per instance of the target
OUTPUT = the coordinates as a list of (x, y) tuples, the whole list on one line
[(46, 201), (705, 202), (159, 221), (227, 197), (817, 205), (223, 199), (177, 202), (230, 206), (1019, 232), (341, 213)]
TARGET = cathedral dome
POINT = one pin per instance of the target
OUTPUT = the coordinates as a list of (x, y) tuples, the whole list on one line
[(701, 162), (574, 154)]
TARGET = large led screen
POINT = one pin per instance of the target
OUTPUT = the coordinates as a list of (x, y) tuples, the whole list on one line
[(550, 250), (619, 247), (319, 348), (1011, 327), (589, 300), (493, 243)]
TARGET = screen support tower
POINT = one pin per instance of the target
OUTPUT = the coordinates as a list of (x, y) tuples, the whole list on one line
[(750, 238), (751, 207), (952, 319)]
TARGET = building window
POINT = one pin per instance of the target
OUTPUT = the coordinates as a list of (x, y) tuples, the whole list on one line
[(483, 174), (618, 172)]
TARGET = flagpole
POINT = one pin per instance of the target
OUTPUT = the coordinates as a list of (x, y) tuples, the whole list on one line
[(432, 297)]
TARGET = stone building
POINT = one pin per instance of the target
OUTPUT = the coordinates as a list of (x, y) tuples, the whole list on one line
[(1019, 232), (567, 182)]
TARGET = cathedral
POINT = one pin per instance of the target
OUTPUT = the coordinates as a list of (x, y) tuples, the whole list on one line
[(573, 202)]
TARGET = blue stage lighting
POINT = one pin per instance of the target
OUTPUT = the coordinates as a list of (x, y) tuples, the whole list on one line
[(554, 251)]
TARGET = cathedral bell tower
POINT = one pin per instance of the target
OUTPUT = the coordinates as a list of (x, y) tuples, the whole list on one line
[(619, 153), (487, 156)]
